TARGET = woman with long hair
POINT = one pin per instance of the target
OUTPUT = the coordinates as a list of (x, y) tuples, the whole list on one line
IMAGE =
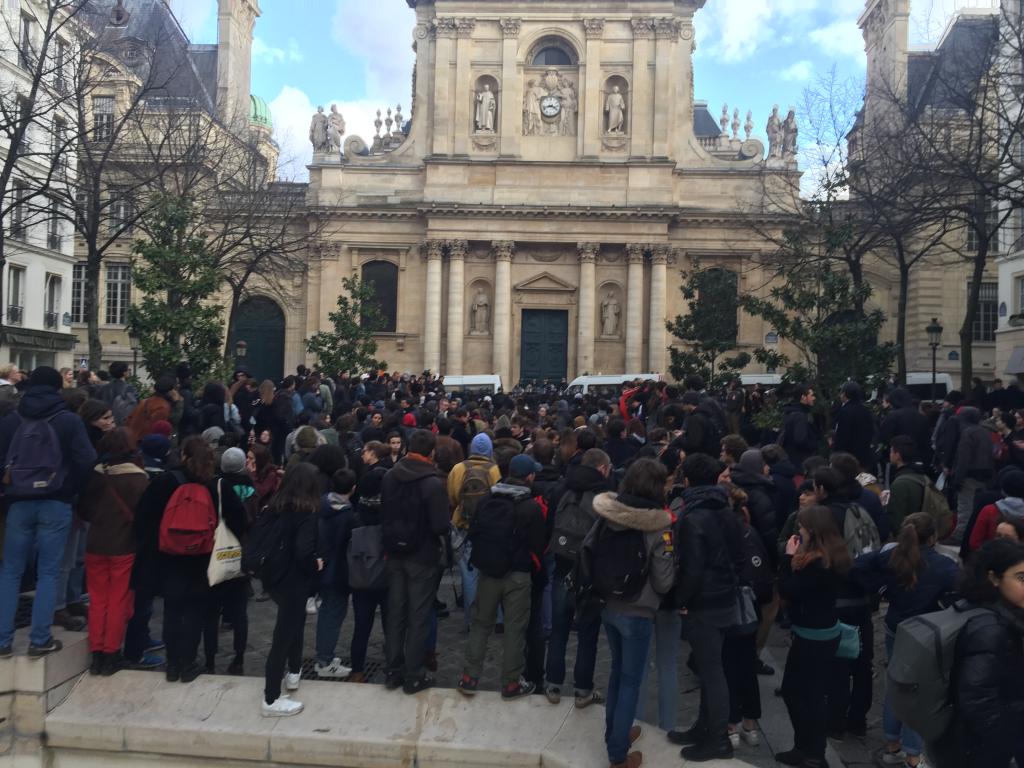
[(264, 473), (914, 576), (295, 505), (98, 418), (814, 564), (988, 669)]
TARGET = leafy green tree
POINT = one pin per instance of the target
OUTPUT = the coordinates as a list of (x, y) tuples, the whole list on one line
[(710, 327), (349, 347), (819, 312), (176, 319)]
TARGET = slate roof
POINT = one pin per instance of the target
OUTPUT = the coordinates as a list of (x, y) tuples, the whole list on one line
[(943, 78), (703, 122)]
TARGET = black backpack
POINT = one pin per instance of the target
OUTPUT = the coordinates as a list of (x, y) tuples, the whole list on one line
[(573, 521), (615, 562), (757, 571), (267, 551), (494, 536), (402, 520)]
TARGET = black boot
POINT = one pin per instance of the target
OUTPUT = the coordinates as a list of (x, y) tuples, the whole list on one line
[(712, 748), (693, 735), (97, 663)]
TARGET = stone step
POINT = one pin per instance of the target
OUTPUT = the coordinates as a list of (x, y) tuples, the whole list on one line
[(139, 719)]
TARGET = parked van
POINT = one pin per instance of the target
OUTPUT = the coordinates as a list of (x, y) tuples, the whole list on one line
[(766, 380), (920, 385), (484, 384), (606, 386)]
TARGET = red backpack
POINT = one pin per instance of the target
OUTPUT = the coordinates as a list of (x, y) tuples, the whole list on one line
[(189, 521)]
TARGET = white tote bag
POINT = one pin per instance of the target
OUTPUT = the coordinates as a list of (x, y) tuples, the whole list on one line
[(226, 558)]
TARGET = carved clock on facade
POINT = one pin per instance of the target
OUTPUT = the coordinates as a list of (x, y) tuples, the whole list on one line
[(550, 106)]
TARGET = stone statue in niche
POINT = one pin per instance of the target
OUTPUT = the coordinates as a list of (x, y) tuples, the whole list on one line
[(335, 129), (532, 124), (615, 106), (789, 135), (774, 131), (480, 313), (610, 312), (486, 109), (318, 132), (567, 94)]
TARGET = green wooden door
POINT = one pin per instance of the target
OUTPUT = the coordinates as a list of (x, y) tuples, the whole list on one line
[(545, 346), (260, 325)]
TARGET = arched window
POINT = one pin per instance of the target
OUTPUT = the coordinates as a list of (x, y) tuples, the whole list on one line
[(383, 276), (552, 56)]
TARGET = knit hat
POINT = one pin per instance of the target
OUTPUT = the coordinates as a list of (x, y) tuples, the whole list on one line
[(752, 461), (213, 436), (233, 461), (523, 466), (1012, 484), (155, 446), (481, 446), (44, 376), (305, 439), (409, 420), (162, 427)]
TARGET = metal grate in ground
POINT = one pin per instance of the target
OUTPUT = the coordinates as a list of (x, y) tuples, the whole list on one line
[(370, 669)]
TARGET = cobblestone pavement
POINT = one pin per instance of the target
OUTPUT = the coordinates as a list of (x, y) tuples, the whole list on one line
[(776, 732)]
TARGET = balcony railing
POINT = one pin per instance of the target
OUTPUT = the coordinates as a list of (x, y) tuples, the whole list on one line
[(15, 314), (51, 320), (53, 241)]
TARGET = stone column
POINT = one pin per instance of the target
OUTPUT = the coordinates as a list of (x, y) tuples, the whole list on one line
[(432, 325), (456, 305), (656, 335), (445, 29), (464, 91), (591, 111), (634, 308), (503, 310), (587, 253), (667, 32), (642, 92), (510, 96)]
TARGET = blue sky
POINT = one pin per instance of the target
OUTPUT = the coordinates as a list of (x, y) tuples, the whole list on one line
[(751, 54)]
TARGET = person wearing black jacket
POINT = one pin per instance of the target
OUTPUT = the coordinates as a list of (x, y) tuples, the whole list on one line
[(988, 669), (783, 475), (751, 474), (414, 516), (334, 524), (711, 559), (282, 418), (854, 425), (506, 566), (699, 432), (799, 436), (904, 418), (619, 449), (366, 601)]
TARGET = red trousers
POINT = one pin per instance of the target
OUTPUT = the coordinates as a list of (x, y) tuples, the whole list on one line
[(111, 600)]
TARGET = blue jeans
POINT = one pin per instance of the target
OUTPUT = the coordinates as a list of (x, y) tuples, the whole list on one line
[(587, 633), (329, 618), (894, 730), (667, 630), (629, 638), (470, 578), (40, 526)]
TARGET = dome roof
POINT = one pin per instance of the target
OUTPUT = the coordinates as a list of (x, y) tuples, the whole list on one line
[(259, 112)]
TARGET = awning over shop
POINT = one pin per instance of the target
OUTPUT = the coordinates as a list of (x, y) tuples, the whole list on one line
[(42, 340), (1016, 363)]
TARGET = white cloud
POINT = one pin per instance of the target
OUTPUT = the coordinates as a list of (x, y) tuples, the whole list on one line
[(270, 54), (735, 29), (840, 38), (193, 16), (799, 72), (292, 110), (380, 34), (928, 18)]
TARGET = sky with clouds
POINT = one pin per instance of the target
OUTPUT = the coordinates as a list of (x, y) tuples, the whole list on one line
[(751, 54)]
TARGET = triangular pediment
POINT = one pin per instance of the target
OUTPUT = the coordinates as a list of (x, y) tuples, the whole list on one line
[(545, 281)]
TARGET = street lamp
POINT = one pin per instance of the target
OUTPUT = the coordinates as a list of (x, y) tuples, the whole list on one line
[(934, 331), (133, 342), (240, 349)]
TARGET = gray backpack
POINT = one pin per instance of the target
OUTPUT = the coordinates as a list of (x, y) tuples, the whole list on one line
[(921, 668), (860, 532)]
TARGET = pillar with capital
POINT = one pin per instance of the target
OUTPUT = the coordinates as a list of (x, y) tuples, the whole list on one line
[(501, 351), (634, 307), (433, 250), (587, 254), (657, 344), (456, 305)]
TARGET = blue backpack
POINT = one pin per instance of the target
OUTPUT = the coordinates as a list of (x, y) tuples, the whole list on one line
[(35, 460)]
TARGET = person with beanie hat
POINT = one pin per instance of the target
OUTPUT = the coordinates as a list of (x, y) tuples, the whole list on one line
[(212, 436), (753, 476), (155, 449), (163, 428), (468, 483), (39, 509), (306, 441)]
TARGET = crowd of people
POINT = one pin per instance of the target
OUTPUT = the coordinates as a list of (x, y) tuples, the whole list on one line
[(659, 514)]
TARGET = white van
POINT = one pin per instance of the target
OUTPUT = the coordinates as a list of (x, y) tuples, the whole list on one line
[(486, 384), (920, 385), (606, 386), (767, 380)]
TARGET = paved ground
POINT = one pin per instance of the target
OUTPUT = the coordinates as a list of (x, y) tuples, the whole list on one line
[(776, 731)]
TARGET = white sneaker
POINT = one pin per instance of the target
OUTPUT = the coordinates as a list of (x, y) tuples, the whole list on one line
[(311, 606), (734, 739), (283, 707), (291, 681), (750, 738), (894, 758), (334, 669)]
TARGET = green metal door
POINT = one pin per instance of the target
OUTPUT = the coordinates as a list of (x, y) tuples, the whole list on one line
[(545, 346), (260, 325)]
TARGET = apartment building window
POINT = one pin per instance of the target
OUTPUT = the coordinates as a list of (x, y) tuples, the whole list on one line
[(990, 227), (54, 287), (78, 293), (25, 45), (102, 118), (53, 238), (58, 148), (120, 212), (25, 119), (19, 211), (986, 319), (119, 289), (15, 295), (60, 60)]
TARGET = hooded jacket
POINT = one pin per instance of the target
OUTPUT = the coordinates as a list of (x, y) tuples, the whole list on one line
[(855, 431), (529, 526), (906, 419), (984, 529), (783, 474), (799, 436), (761, 495), (711, 554), (43, 402), (108, 502), (334, 528), (974, 456), (623, 512), (906, 495), (414, 484)]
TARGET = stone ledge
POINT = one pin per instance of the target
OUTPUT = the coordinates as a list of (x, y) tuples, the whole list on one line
[(357, 726), (25, 675)]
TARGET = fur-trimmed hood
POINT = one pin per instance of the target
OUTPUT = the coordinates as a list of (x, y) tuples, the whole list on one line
[(647, 519)]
